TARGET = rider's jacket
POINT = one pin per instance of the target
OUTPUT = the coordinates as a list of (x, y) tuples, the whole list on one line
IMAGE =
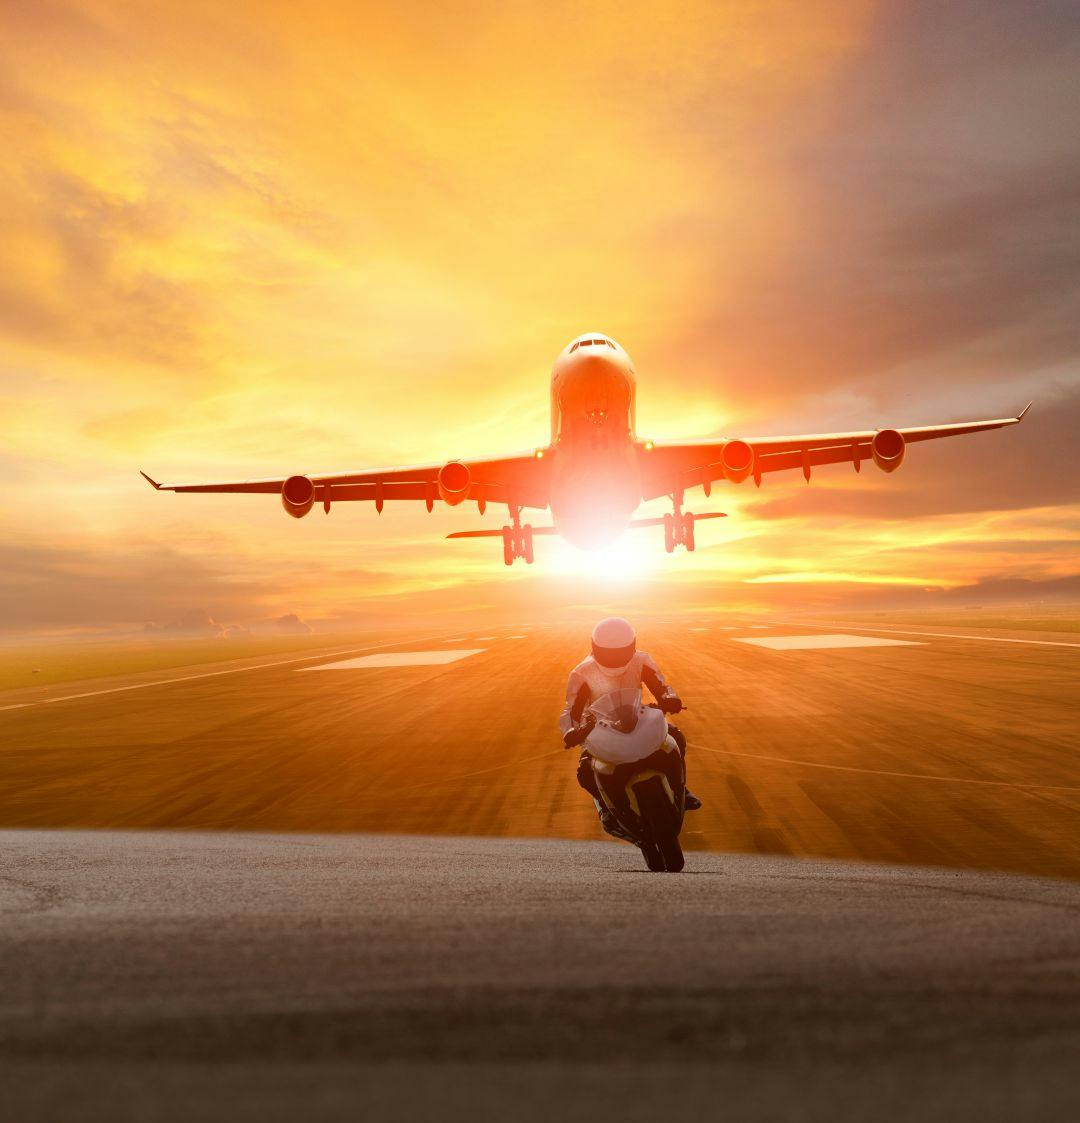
[(589, 681)]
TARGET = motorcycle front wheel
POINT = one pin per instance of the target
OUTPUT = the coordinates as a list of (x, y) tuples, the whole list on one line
[(672, 855), (664, 854)]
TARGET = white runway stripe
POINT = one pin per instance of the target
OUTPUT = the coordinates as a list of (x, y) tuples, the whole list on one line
[(818, 643), (398, 659), (933, 635)]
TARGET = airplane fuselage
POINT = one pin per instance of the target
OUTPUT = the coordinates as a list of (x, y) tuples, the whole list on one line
[(595, 478), (595, 471)]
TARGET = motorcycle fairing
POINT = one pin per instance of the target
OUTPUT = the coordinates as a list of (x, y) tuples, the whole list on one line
[(616, 781), (626, 729)]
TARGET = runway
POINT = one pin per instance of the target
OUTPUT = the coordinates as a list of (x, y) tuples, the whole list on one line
[(934, 748), (178, 976), (515, 966)]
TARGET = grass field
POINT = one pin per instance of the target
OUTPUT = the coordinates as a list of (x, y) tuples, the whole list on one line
[(30, 664), (48, 661)]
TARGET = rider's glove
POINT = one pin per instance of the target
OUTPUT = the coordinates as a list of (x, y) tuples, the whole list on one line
[(671, 703), (574, 737)]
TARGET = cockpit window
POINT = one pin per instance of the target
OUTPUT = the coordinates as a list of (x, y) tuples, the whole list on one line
[(592, 343)]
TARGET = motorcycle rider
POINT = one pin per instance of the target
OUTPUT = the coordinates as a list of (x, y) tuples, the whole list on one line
[(615, 664)]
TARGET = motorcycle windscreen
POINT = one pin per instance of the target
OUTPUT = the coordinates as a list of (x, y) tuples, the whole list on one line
[(626, 730), (620, 707)]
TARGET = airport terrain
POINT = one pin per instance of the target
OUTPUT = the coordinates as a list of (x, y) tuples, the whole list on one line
[(925, 747), (177, 976), (362, 881)]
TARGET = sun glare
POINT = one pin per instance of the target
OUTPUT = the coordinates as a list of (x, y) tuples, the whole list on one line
[(631, 556)]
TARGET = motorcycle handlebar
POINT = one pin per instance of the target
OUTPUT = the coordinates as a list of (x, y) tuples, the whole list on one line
[(661, 706)]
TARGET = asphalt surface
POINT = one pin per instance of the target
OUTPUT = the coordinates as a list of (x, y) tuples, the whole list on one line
[(431, 942), (942, 750), (171, 976)]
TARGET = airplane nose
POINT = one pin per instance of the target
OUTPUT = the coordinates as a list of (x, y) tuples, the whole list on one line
[(593, 390)]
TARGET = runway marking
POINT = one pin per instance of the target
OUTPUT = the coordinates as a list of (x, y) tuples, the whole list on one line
[(515, 637), (935, 635), (886, 772), (812, 643), (399, 659), (483, 639), (699, 629), (202, 674)]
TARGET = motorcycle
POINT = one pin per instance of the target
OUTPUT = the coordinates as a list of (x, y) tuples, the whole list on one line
[(640, 774)]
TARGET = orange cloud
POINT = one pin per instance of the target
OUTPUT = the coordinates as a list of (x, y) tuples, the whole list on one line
[(343, 234)]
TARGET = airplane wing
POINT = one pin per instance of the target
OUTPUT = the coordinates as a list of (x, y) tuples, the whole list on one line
[(674, 466), (521, 480)]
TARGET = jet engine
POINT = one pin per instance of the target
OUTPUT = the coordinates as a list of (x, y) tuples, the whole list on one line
[(887, 449), (298, 496), (454, 480), (736, 460)]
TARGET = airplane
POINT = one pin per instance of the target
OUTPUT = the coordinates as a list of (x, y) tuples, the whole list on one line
[(596, 470)]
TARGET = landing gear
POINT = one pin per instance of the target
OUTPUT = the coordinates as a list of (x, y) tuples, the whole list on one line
[(517, 540), (679, 528)]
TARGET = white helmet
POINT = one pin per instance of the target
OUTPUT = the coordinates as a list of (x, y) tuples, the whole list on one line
[(614, 644)]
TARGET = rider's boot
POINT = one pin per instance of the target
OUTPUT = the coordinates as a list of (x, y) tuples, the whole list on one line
[(607, 819), (610, 823), (691, 801)]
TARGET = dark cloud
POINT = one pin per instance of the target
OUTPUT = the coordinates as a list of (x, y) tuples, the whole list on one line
[(988, 592), (932, 224), (161, 590), (291, 625), (192, 623), (1033, 464), (46, 587)]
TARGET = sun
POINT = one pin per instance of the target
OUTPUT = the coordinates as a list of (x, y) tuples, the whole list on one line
[(630, 557)]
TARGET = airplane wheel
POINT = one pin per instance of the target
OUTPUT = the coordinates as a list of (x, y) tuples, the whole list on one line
[(669, 533), (688, 531), (527, 544), (508, 545)]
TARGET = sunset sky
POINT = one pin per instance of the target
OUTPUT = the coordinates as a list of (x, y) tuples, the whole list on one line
[(257, 239)]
